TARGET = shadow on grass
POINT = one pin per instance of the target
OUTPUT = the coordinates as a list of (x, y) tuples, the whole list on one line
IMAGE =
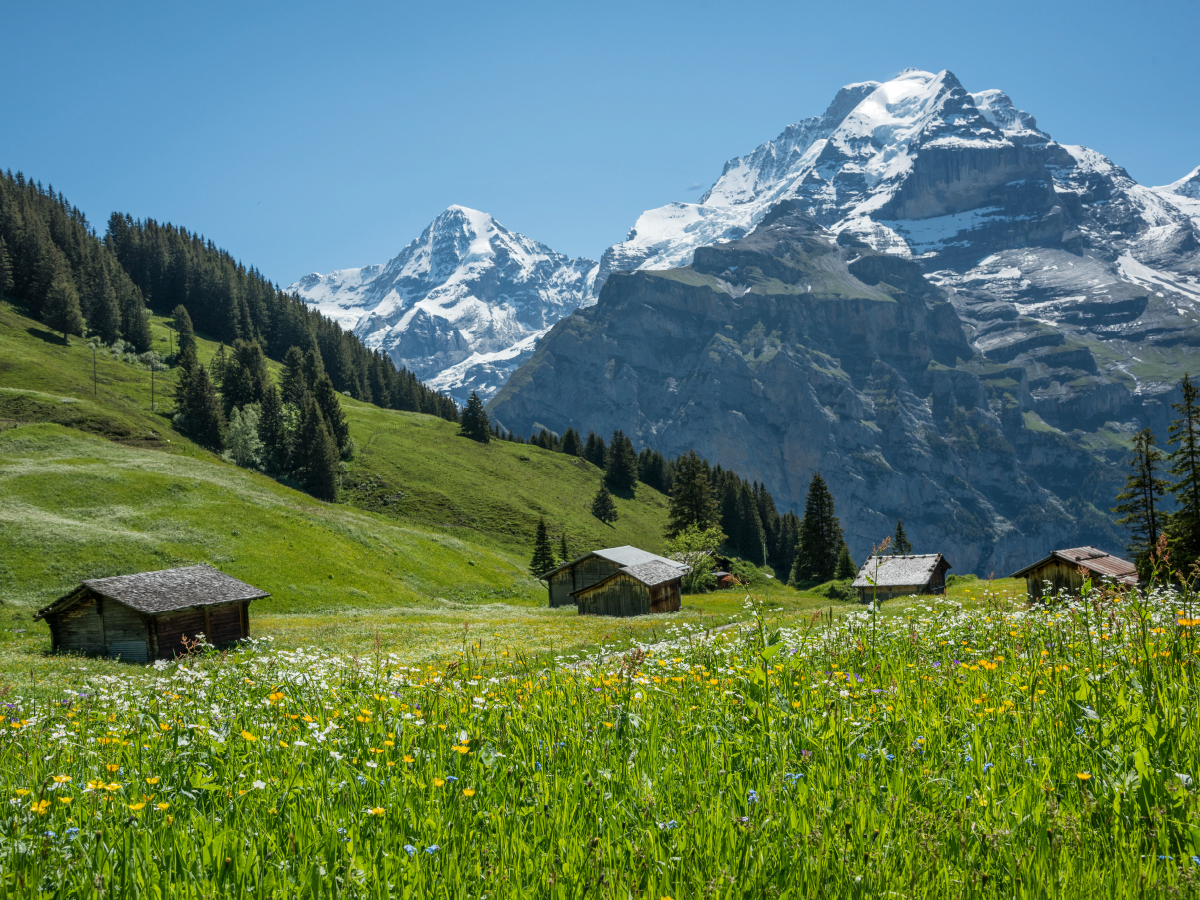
[(48, 336)]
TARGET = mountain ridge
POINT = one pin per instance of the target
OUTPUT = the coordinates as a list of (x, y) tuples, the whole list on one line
[(461, 305)]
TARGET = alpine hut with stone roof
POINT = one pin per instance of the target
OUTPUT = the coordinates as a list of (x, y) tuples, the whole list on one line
[(592, 568), (1064, 570), (648, 587), (144, 617), (882, 577)]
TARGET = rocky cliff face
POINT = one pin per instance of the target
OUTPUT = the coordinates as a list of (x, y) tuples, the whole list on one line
[(461, 306), (1056, 259), (793, 350)]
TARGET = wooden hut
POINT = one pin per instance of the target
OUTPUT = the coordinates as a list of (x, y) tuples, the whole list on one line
[(649, 587), (1062, 570), (145, 617), (592, 568), (900, 576)]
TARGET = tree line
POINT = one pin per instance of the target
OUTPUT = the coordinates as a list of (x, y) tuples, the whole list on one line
[(55, 266)]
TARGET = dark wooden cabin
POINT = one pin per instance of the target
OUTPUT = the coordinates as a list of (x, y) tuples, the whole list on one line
[(901, 576), (139, 618), (1062, 570), (592, 568), (649, 587)]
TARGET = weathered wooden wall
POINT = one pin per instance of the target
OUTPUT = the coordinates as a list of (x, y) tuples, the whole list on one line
[(79, 629), (621, 595), (126, 632), (224, 623), (1064, 578), (582, 575), (173, 627)]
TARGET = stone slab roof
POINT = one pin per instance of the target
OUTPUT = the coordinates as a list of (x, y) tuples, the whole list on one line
[(165, 591), (622, 556), (899, 571)]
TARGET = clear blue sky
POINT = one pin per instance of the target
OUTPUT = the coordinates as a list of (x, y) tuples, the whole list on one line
[(306, 137)]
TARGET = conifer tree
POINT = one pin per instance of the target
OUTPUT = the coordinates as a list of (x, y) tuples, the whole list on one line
[(543, 554), (1183, 526), (692, 499), (570, 443), (293, 387), (6, 271), (845, 565), (620, 470), (317, 453), (331, 411), (1139, 502), (201, 417), (594, 450), (216, 368), (821, 539), (61, 310), (273, 432), (475, 420), (103, 312), (901, 546), (752, 541), (564, 553), (603, 507), (185, 338)]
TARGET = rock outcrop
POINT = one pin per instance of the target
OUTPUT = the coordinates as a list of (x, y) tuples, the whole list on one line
[(792, 350)]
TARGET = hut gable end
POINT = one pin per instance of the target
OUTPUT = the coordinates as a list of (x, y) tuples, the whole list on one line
[(150, 615)]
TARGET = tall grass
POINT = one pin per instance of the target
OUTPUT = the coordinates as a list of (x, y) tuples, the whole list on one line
[(995, 752)]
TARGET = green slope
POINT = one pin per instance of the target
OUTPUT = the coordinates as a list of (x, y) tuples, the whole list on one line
[(110, 488)]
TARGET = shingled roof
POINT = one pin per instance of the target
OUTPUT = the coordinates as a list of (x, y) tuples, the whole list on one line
[(1096, 561), (165, 590), (625, 556), (898, 571), (651, 574)]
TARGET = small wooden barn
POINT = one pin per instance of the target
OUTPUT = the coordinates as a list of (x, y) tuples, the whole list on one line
[(1062, 570), (144, 617), (900, 576), (649, 587), (592, 568)]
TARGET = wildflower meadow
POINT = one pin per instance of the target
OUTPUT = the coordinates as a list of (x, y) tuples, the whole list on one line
[(998, 751)]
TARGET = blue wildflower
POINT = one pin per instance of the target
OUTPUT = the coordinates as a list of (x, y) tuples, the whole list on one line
[(752, 796), (452, 778), (49, 834), (537, 766), (793, 777), (1031, 763), (431, 849), (890, 757), (410, 849), (1196, 860), (970, 758), (667, 826), (987, 766)]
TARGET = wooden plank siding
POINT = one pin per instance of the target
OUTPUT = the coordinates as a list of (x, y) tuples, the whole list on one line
[(582, 575), (80, 628), (1064, 578), (624, 595), (173, 628)]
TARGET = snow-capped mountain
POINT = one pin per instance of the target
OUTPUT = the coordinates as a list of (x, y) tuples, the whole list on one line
[(461, 306), (1040, 244)]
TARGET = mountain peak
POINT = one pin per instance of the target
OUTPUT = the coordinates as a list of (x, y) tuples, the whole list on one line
[(1187, 186)]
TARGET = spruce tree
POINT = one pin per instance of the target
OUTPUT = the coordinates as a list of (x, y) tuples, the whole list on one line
[(273, 432), (845, 565), (594, 450), (6, 270), (216, 368), (293, 387), (104, 312), (185, 338), (821, 538), (901, 546), (475, 420), (1183, 526), (316, 453), (752, 540), (692, 498), (1139, 502), (570, 443), (564, 553), (201, 418), (620, 470), (543, 554), (61, 310), (331, 411), (603, 507)]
